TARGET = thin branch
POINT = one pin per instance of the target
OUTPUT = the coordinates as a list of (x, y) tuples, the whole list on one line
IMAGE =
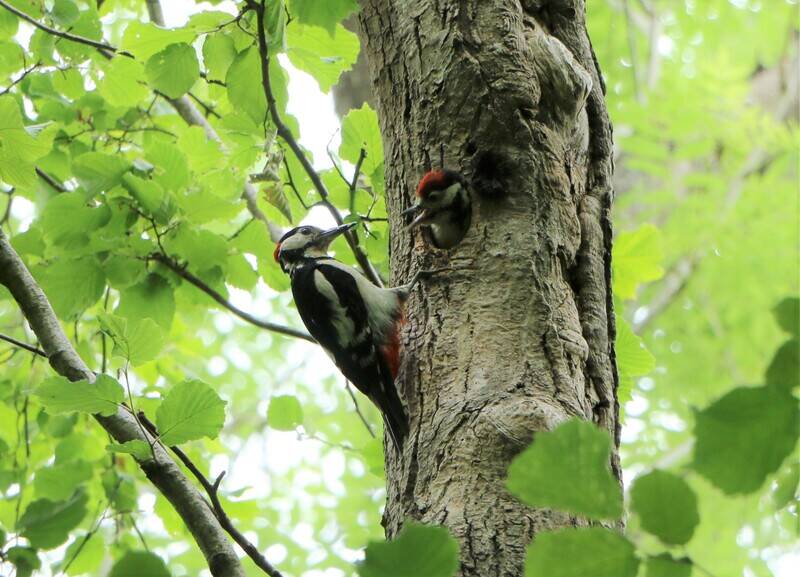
[(102, 46), (212, 490), (192, 279), (288, 137), (358, 409), (161, 470), (20, 79), (20, 344), (207, 107), (49, 179)]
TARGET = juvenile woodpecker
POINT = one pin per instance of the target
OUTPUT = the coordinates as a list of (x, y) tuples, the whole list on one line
[(356, 323), (443, 204)]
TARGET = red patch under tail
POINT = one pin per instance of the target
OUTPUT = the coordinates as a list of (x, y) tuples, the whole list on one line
[(391, 348)]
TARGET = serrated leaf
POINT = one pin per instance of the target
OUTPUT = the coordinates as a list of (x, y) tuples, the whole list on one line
[(99, 172), (138, 341), (144, 39), (152, 298), (326, 14), (219, 51), (190, 411), (123, 83), (173, 70), (666, 505), (139, 564), (46, 524), (636, 259), (68, 216), (324, 56), (633, 358), (285, 413), (72, 286), (418, 551), (568, 468), (784, 369), (58, 482), (787, 313), (243, 82), (592, 552), (744, 437), (360, 130), (138, 448), (18, 149), (665, 566), (59, 395)]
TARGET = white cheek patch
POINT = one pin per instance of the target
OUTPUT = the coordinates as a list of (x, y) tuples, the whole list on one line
[(294, 242), (344, 326)]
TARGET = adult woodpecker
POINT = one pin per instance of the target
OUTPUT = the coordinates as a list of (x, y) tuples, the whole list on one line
[(355, 322), (443, 204)]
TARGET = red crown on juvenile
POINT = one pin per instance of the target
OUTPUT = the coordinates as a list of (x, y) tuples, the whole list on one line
[(434, 180)]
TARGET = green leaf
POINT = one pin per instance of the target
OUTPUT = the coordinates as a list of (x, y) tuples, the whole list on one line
[(123, 83), (24, 559), (637, 258), (174, 70), (59, 395), (325, 57), (418, 551), (285, 413), (145, 39), (784, 370), (326, 14), (58, 482), (84, 555), (99, 172), (46, 524), (18, 149), (568, 469), (150, 196), (787, 313), (139, 341), (8, 24), (138, 564), (172, 168), (592, 552), (201, 248), (219, 52), (633, 358), (139, 449), (67, 217), (65, 12), (745, 436), (665, 566), (243, 83), (788, 484), (72, 286), (190, 411), (152, 298), (666, 505), (360, 130)]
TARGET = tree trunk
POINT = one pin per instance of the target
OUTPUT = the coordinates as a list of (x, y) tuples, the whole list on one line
[(519, 336)]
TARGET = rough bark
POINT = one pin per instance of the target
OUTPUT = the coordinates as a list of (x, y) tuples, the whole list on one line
[(519, 336)]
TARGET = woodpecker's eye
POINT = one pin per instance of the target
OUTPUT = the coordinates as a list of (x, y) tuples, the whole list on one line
[(305, 230)]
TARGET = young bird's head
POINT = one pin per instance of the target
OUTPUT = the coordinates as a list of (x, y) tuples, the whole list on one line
[(305, 242), (442, 203)]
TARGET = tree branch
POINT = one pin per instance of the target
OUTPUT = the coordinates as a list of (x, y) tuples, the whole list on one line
[(26, 346), (161, 470), (50, 180), (102, 46), (192, 279), (212, 490), (288, 137)]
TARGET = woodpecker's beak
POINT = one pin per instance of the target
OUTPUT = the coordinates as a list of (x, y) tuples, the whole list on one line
[(420, 213), (325, 238)]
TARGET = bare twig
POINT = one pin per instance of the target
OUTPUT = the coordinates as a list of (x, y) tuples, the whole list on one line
[(50, 180), (286, 134), (102, 46), (20, 344), (212, 490), (21, 77), (358, 409), (207, 107), (186, 275)]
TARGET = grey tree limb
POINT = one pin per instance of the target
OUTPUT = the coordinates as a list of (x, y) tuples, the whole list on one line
[(161, 470)]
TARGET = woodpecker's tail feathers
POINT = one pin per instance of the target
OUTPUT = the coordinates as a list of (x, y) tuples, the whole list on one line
[(394, 419)]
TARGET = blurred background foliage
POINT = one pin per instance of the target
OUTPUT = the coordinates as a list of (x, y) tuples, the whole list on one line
[(99, 173)]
